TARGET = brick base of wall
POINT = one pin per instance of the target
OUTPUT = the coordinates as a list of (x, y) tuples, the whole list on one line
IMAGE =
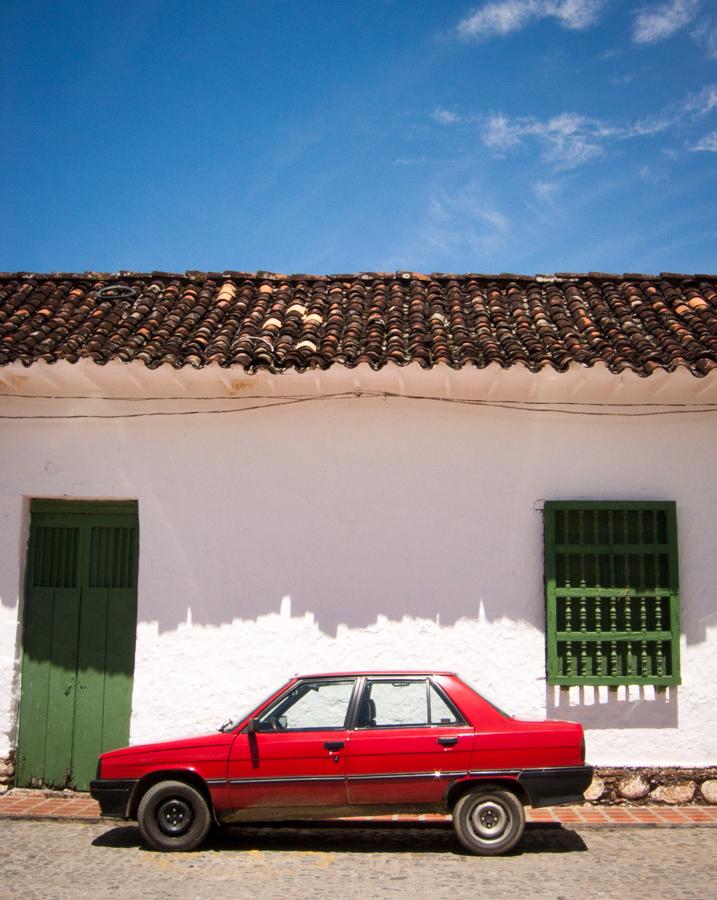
[(643, 786)]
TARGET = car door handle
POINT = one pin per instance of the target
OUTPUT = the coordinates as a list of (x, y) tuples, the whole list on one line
[(448, 741), (334, 745)]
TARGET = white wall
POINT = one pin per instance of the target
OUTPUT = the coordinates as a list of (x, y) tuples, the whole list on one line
[(364, 532)]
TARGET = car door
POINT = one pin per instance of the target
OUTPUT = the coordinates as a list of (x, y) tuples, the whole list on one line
[(409, 742), (296, 755)]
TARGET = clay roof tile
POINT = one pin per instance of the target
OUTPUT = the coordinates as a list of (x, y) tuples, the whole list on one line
[(277, 322)]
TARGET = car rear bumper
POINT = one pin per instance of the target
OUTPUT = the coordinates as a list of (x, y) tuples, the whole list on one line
[(113, 795), (556, 786)]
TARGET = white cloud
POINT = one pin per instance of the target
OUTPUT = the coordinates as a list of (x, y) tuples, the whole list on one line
[(577, 14), (459, 221), (464, 220), (656, 23), (610, 53), (546, 191), (497, 18), (706, 35), (708, 143), (408, 160), (501, 17), (701, 103), (546, 199), (659, 22), (625, 78), (646, 127), (652, 175), (570, 140), (445, 116), (502, 133)]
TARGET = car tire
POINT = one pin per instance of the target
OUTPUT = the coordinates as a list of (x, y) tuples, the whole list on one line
[(173, 815), (489, 821)]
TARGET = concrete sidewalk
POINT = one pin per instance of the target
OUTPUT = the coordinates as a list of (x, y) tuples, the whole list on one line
[(21, 803)]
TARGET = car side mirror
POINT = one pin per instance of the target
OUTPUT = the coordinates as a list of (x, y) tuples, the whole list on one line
[(252, 726)]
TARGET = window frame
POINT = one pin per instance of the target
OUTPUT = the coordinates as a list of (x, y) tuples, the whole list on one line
[(669, 632), (460, 722), (323, 681)]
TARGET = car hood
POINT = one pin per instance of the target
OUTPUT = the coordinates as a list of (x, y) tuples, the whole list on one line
[(213, 739)]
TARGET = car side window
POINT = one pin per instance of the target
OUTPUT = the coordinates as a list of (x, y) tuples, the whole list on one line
[(310, 705), (387, 704), (404, 702), (441, 712)]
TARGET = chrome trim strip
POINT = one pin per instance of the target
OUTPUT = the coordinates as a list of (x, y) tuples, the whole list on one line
[(547, 769), (516, 772), (399, 775), (335, 778), (291, 778), (474, 773)]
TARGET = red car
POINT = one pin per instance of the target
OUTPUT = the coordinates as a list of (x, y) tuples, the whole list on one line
[(351, 744)]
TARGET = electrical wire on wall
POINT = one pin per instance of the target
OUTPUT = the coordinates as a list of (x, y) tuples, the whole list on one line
[(570, 408)]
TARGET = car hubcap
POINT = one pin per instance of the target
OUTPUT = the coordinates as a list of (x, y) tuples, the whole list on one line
[(489, 821), (174, 816)]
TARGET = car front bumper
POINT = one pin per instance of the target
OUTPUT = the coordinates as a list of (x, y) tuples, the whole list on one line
[(113, 795)]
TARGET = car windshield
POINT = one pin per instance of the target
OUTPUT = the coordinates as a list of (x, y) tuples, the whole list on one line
[(232, 723)]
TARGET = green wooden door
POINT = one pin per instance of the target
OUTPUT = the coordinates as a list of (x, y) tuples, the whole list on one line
[(79, 630)]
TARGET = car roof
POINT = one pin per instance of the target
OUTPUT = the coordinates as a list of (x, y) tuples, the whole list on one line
[(371, 672)]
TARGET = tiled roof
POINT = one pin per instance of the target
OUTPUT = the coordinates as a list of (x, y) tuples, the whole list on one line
[(277, 322)]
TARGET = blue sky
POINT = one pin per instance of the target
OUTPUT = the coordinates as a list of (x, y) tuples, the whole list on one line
[(516, 135)]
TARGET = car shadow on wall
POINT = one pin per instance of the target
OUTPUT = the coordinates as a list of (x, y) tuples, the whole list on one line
[(355, 837), (632, 706)]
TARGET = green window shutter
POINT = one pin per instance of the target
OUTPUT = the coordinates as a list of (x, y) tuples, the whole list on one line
[(612, 593)]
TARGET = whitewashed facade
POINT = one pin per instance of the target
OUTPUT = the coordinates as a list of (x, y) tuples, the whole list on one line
[(374, 523)]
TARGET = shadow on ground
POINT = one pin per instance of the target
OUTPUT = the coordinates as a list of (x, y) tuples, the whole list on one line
[(364, 838)]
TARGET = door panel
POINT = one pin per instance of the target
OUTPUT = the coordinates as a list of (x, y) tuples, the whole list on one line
[(79, 627), (405, 765), (408, 746), (89, 694), (37, 644), (62, 686), (296, 754), (288, 769), (119, 666)]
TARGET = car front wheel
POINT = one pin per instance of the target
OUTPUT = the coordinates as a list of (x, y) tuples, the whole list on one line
[(173, 816), (489, 821)]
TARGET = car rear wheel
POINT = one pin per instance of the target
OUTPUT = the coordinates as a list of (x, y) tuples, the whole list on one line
[(489, 821), (173, 816)]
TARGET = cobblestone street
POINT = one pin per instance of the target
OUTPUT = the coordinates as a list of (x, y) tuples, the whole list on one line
[(90, 860)]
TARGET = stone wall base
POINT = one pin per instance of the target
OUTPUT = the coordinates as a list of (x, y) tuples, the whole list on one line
[(7, 773), (663, 785), (638, 786)]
